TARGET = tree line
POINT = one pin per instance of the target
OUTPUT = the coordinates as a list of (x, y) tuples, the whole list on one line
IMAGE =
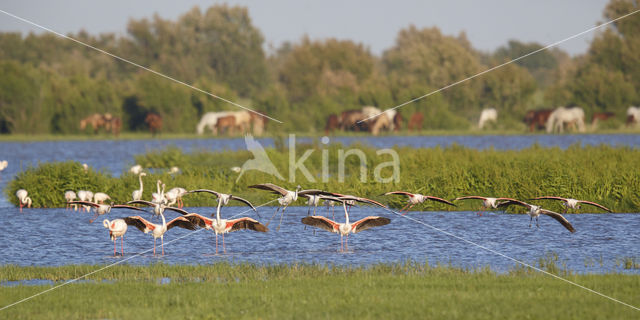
[(50, 83)]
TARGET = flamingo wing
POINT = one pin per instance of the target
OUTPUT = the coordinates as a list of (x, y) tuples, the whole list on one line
[(145, 202), (440, 200), (178, 210), (123, 206), (322, 223), (245, 223), (271, 187), (559, 218), (411, 195), (550, 198), (199, 220), (181, 222), (369, 222), (86, 203), (469, 197), (313, 192), (363, 200), (245, 202), (595, 205), (509, 202), (140, 223), (216, 193)]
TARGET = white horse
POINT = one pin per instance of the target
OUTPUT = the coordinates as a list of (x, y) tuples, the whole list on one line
[(369, 111), (209, 120), (633, 116), (570, 116), (490, 114)]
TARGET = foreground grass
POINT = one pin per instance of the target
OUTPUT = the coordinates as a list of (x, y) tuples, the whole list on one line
[(308, 291)]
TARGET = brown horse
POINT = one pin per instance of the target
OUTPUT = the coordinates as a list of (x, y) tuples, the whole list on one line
[(415, 123), (227, 124), (154, 122), (537, 119), (333, 123), (397, 122), (258, 122), (600, 116), (96, 121), (349, 121)]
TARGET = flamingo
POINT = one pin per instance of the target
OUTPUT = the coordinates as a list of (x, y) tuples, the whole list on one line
[(85, 167), (23, 199), (117, 228), (101, 209), (157, 230), (174, 170), (101, 197), (137, 169), (344, 229), (158, 208), (487, 202), (573, 203), (69, 195), (158, 197), (287, 196), (137, 194), (224, 198), (83, 195), (351, 200), (416, 198), (175, 195), (536, 211), (222, 226), (3, 165)]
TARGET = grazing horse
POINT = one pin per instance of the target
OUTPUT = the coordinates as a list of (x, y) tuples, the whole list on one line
[(243, 120), (600, 116), (633, 116), (392, 123), (379, 123), (397, 122), (349, 121), (209, 120), (96, 121), (112, 124), (490, 114), (333, 123), (154, 121), (258, 122), (226, 124), (569, 116), (537, 119), (415, 123)]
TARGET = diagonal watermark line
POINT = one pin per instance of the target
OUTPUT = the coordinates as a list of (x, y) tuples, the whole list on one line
[(138, 65), (502, 65), (512, 259), (111, 265)]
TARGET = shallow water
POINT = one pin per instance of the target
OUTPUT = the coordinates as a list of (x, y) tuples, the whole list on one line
[(51, 237)]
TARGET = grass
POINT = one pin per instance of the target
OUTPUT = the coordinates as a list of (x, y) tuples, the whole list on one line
[(403, 290), (604, 174)]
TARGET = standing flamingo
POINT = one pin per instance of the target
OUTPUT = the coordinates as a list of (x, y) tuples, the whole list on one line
[(222, 226), (487, 202), (573, 203), (536, 211), (83, 195), (175, 195), (23, 199), (101, 209), (101, 197), (117, 228), (69, 195), (416, 198), (158, 197), (158, 231), (137, 194), (344, 229)]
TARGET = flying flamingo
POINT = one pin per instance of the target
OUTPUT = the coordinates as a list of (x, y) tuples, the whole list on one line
[(223, 198), (23, 199), (487, 202), (101, 209), (157, 230), (287, 197), (175, 195), (101, 197), (69, 195), (117, 228), (344, 229), (536, 211), (573, 203), (416, 198), (222, 226), (137, 194)]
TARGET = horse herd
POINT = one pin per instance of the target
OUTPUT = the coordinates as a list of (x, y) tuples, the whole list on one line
[(572, 117)]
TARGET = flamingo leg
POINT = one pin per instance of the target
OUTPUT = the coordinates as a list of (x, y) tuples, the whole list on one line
[(404, 207), (122, 245), (224, 249), (21, 208), (94, 218), (346, 243), (281, 216), (216, 244), (162, 244), (154, 246), (530, 219), (410, 206), (341, 245), (273, 216), (480, 211), (114, 247), (537, 222)]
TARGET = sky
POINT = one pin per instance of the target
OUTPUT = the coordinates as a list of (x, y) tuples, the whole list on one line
[(488, 24)]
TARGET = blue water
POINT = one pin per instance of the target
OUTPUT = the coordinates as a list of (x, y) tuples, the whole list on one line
[(51, 237)]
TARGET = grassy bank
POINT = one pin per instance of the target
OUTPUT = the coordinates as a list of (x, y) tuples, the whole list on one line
[(607, 175), (407, 290)]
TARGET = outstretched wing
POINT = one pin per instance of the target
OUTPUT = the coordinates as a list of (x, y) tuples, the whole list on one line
[(321, 222), (509, 202), (595, 205), (140, 223), (86, 203), (145, 202), (246, 223), (178, 210), (369, 222), (558, 218), (181, 222), (469, 197), (123, 206), (271, 187), (313, 192), (411, 195), (550, 198), (440, 200), (199, 220), (216, 193), (358, 199), (245, 201)]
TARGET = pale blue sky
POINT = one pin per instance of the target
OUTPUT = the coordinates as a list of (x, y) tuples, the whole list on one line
[(488, 24)]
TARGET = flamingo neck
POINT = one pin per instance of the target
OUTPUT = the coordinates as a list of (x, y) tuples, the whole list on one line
[(140, 178), (218, 212), (164, 223), (346, 213)]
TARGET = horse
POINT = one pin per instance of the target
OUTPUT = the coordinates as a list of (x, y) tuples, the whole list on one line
[(537, 119), (243, 120), (600, 116), (570, 116), (209, 120), (259, 123), (393, 122), (490, 114), (397, 122), (226, 124), (154, 121), (349, 120), (333, 123), (96, 121), (415, 122), (379, 123), (633, 116)]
